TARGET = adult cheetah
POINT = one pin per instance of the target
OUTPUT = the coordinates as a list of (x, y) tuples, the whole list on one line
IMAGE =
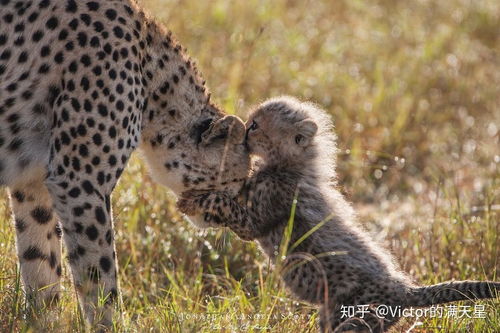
[(82, 84)]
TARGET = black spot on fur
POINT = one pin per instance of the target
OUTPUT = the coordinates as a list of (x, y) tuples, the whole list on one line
[(20, 225), (92, 6), (41, 215), (37, 36), (92, 232), (32, 253), (82, 39), (85, 19), (80, 250), (71, 6), (18, 195), (78, 227), (52, 23), (78, 211), (100, 216), (110, 14), (118, 32), (74, 192), (105, 263), (44, 4), (87, 187), (73, 24)]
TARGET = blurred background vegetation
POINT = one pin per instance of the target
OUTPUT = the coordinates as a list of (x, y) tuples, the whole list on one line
[(414, 91)]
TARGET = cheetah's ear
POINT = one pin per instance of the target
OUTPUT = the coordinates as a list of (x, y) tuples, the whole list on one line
[(229, 128), (306, 129)]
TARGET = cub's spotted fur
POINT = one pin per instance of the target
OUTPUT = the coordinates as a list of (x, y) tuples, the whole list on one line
[(82, 84), (337, 264)]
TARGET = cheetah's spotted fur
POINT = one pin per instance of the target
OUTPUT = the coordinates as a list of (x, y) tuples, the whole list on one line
[(82, 84)]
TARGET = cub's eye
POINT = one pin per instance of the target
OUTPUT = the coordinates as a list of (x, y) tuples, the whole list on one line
[(299, 139), (253, 126)]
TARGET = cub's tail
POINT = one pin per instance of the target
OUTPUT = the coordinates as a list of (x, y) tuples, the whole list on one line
[(451, 292)]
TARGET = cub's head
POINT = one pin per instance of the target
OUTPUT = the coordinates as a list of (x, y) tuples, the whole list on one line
[(284, 130)]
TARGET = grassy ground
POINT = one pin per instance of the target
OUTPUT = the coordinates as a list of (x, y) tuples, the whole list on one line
[(413, 87)]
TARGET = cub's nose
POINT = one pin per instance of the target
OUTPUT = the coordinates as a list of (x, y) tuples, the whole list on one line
[(246, 134)]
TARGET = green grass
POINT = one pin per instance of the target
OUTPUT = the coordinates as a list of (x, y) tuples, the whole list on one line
[(413, 89)]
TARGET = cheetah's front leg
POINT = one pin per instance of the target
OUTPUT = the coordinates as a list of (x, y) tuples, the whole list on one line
[(38, 239), (83, 171), (85, 215)]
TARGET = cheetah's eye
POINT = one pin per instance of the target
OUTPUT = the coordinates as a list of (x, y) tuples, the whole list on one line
[(254, 126)]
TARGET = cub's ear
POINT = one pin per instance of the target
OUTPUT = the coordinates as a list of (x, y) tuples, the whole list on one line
[(230, 128), (306, 129)]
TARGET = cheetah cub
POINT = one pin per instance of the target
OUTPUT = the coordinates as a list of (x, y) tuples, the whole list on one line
[(331, 261)]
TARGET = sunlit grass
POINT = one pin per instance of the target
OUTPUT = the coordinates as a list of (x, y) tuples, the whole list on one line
[(413, 89)]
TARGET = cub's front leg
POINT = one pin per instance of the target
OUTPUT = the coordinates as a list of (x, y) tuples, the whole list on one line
[(199, 206), (219, 209)]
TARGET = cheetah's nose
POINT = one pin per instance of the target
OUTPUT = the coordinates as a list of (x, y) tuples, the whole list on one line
[(199, 129)]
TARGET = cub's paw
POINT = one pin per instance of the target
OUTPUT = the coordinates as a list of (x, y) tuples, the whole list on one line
[(191, 202), (186, 206)]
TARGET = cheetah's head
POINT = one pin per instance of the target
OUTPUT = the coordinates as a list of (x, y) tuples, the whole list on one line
[(206, 152)]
